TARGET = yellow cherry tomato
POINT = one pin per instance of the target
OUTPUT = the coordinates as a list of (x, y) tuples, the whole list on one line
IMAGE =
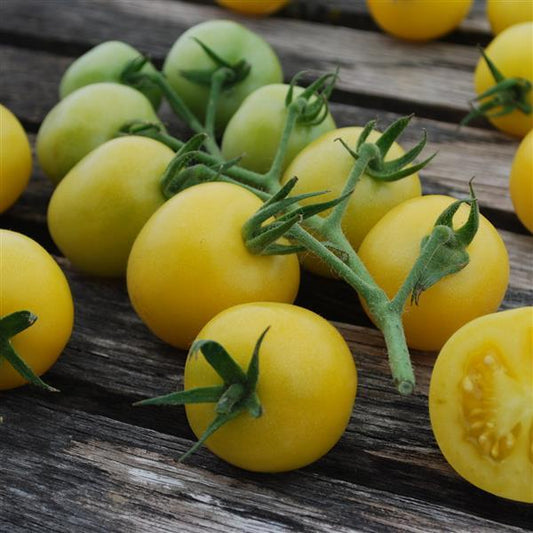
[(99, 207), (325, 165), (190, 262), (512, 53), (505, 13), (481, 403), (418, 20), (306, 387), (30, 280), (521, 181), (391, 248), (15, 159), (254, 7)]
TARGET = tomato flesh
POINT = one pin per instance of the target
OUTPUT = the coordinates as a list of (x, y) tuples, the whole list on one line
[(481, 403)]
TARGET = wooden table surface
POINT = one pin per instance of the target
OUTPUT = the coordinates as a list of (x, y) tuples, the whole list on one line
[(85, 460)]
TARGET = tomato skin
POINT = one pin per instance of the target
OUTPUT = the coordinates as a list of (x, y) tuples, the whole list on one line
[(232, 42), (505, 13), (482, 385), (418, 20), (307, 385), (512, 55), (390, 250), (120, 182), (189, 263), (31, 280), (521, 181), (256, 128), (15, 159), (325, 165), (84, 120), (104, 63), (254, 7)]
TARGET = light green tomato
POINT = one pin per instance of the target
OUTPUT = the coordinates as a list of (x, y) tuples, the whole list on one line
[(105, 62), (255, 130), (232, 42), (101, 205), (84, 120)]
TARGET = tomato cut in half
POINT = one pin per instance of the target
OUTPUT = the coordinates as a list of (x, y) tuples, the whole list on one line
[(481, 403)]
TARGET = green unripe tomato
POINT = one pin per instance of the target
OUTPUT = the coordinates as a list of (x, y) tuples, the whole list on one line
[(101, 205), (105, 62), (255, 130), (84, 120), (232, 42)]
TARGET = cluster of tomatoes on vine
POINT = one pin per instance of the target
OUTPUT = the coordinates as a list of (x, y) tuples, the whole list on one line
[(211, 238)]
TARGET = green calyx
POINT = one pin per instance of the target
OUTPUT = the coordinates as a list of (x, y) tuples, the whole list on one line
[(261, 238), (230, 74), (504, 97), (375, 153), (11, 325), (312, 103), (237, 394), (443, 252)]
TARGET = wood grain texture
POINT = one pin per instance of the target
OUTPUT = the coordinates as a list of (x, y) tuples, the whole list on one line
[(127, 477), (86, 460), (432, 77), (462, 154), (112, 360)]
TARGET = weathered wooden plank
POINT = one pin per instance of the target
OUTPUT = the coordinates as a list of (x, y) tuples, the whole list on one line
[(485, 154), (90, 472), (433, 77), (112, 360)]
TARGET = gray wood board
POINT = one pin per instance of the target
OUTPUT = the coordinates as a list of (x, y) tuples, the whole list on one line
[(373, 65)]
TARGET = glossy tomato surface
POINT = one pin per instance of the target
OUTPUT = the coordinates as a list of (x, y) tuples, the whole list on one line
[(306, 387), (418, 20), (15, 159), (481, 403), (98, 209), (325, 165), (391, 248), (505, 13), (84, 120), (255, 130), (232, 42), (254, 7), (105, 62), (189, 263), (512, 53), (521, 182), (30, 280)]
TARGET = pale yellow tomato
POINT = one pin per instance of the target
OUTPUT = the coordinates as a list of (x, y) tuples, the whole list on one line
[(418, 20), (30, 280), (391, 248), (481, 403), (15, 159), (324, 165), (99, 207), (505, 13), (306, 387), (190, 262), (521, 181), (512, 53), (254, 7)]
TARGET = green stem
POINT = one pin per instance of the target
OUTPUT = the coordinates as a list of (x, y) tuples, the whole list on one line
[(435, 240), (179, 107), (358, 277), (217, 82), (399, 359), (367, 153), (272, 178)]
